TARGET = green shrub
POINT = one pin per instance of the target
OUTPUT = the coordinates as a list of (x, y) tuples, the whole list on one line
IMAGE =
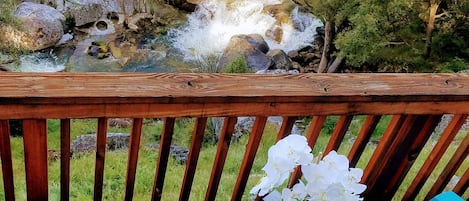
[(455, 65), (237, 65)]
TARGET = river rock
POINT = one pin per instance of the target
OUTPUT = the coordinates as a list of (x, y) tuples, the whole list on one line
[(187, 5), (281, 59), (108, 6), (178, 153), (87, 143), (85, 14), (252, 47), (42, 25)]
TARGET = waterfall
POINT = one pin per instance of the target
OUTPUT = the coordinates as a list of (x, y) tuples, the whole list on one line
[(211, 26)]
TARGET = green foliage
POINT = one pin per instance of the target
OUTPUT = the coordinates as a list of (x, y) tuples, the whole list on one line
[(7, 7), (237, 65), (69, 22), (455, 65), (448, 44), (329, 125)]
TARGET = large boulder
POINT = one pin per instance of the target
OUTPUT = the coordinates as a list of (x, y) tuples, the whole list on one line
[(85, 14), (252, 47), (42, 26)]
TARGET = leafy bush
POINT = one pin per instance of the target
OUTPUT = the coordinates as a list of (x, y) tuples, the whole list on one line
[(455, 65), (237, 65), (447, 44)]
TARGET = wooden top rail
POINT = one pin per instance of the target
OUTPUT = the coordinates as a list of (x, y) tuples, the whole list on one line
[(200, 94), (416, 102)]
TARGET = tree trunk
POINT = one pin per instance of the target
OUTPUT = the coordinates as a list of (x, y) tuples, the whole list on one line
[(430, 27), (329, 32), (335, 65)]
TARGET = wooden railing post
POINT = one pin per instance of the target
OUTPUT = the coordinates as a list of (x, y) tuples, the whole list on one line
[(5, 155), (35, 158), (64, 159), (163, 154), (249, 156), (134, 146), (100, 157), (192, 158), (220, 157)]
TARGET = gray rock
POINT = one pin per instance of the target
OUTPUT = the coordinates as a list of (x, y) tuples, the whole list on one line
[(187, 5), (281, 59), (178, 153), (252, 47), (107, 5), (87, 143), (85, 14), (42, 25)]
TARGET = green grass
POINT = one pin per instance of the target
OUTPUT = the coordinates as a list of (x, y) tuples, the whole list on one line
[(82, 167)]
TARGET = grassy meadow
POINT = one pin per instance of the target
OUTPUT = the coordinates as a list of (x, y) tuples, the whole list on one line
[(82, 166)]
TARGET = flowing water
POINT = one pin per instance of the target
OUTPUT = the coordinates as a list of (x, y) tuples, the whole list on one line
[(211, 26), (206, 34)]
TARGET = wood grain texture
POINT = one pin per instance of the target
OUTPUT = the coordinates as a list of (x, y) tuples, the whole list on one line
[(20, 85), (35, 158), (435, 155), (65, 155), (5, 156), (249, 156), (153, 110), (101, 137), (220, 157), (163, 154), (134, 146), (192, 158)]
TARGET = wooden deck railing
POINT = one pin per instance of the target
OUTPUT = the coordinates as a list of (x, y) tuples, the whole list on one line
[(416, 102)]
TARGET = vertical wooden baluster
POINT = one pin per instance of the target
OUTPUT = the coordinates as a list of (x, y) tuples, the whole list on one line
[(395, 147), (64, 159), (312, 136), (100, 156), (249, 156), (35, 158), (402, 154), (338, 134), (435, 155), (451, 167), (5, 155), (362, 139), (163, 154), (220, 157), (285, 129), (462, 184), (383, 145), (194, 150), (134, 146)]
